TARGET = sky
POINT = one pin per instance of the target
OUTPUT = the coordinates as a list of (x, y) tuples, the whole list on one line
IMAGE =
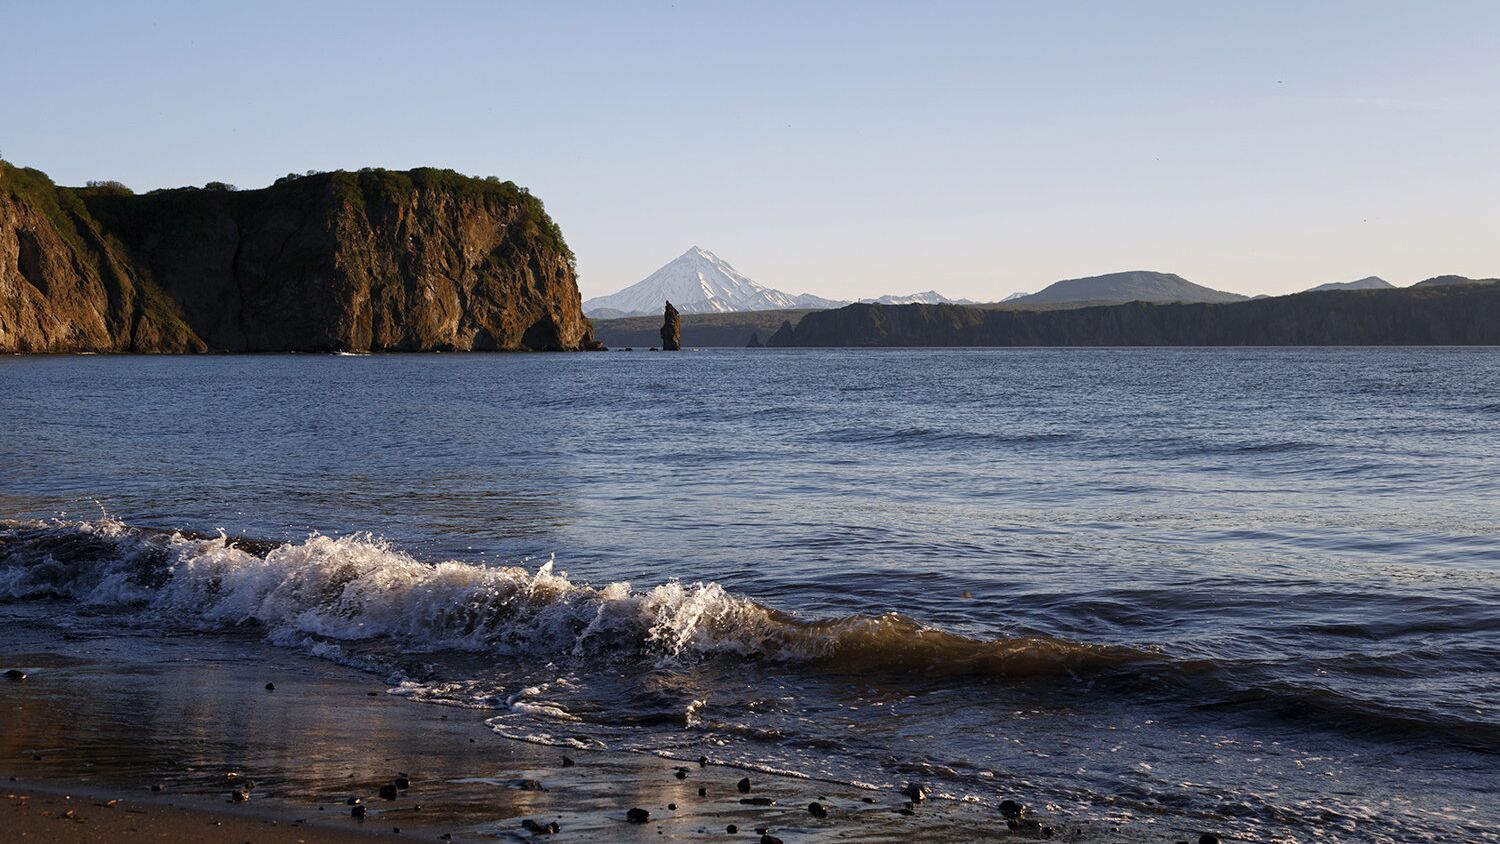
[(846, 149)]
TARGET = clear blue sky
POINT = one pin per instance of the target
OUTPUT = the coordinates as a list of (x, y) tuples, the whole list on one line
[(844, 149)]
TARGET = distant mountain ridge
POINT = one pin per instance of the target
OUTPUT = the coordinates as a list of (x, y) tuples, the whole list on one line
[(1130, 286), (930, 297), (1371, 282), (1446, 312), (1454, 280), (699, 282)]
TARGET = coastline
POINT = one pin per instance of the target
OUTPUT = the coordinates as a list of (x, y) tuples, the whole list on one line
[(51, 812), (99, 721)]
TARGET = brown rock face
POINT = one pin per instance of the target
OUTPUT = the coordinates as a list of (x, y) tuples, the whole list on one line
[(671, 329), (424, 260)]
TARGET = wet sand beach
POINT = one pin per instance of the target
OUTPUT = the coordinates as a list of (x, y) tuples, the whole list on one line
[(106, 740)]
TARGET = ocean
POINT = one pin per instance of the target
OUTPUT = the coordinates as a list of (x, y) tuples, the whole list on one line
[(1252, 590)]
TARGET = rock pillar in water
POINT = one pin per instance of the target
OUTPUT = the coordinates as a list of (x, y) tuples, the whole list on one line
[(671, 329)]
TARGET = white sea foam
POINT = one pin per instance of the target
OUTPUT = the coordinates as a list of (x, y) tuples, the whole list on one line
[(356, 588), (359, 588)]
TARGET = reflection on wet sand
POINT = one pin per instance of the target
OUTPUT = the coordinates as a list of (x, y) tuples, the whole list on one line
[(192, 717)]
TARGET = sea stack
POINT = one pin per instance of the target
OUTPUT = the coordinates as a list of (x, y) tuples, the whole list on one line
[(671, 329), (754, 340)]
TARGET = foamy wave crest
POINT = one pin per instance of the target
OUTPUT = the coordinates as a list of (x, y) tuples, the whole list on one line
[(360, 588)]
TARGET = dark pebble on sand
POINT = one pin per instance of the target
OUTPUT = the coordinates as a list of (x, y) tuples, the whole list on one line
[(530, 785), (36, 757), (671, 807), (240, 795), (371, 694), (906, 810), (768, 838), (1209, 838), (867, 799), (757, 801), (270, 687), (388, 791), (15, 674), (916, 791), (743, 785), (682, 773), (816, 810), (357, 811), (731, 829), (540, 828), (637, 816), (703, 761), (157, 788), (403, 782), (702, 792), (1011, 809), (568, 763)]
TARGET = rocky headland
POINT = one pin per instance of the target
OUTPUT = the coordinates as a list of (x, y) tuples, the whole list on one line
[(375, 260)]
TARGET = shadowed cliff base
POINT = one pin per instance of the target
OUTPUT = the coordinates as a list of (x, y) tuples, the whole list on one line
[(375, 260), (1448, 314)]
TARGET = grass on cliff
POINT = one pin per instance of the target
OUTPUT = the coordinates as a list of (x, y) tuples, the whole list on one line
[(396, 185), (66, 207), (58, 205)]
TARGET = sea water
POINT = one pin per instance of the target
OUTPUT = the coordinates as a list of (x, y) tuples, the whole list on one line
[(1260, 588)]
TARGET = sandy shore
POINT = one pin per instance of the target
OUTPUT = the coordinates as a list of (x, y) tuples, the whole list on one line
[(47, 816), (172, 728)]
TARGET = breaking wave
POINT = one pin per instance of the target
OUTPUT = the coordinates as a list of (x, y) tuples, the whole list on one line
[(326, 592), (360, 588)]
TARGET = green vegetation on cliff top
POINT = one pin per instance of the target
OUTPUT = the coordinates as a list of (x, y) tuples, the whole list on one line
[(61, 204)]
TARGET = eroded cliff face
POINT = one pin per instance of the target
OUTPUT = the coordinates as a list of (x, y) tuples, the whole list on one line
[(424, 260)]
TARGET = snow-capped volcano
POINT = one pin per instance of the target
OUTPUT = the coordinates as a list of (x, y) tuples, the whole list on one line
[(699, 282)]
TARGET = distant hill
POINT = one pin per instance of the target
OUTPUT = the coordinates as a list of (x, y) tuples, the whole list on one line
[(1449, 313), (698, 282), (1132, 286), (1372, 282), (1454, 280), (698, 330)]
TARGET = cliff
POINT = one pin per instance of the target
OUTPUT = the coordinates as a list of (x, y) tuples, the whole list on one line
[(423, 260), (1453, 314)]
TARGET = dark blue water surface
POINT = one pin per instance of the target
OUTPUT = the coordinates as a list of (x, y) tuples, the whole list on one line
[(1258, 586)]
